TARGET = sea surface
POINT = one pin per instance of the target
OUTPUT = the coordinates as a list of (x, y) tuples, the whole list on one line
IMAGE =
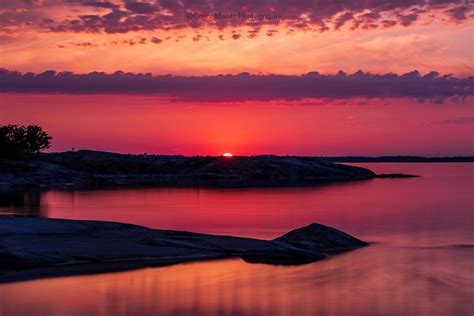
[(420, 262)]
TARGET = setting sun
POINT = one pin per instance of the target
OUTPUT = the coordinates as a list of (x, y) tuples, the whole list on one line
[(227, 155)]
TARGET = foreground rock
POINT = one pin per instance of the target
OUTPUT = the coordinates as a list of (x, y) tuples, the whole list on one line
[(88, 168), (35, 247)]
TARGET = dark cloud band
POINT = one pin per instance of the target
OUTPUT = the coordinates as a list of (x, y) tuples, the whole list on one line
[(244, 86)]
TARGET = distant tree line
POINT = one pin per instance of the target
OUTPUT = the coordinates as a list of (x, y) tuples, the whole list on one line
[(21, 142)]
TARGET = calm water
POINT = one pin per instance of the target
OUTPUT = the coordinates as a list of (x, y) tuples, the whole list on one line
[(421, 262)]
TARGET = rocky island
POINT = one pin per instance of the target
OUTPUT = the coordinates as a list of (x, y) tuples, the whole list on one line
[(38, 247), (93, 168)]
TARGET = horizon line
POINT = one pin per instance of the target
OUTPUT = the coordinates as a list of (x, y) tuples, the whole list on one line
[(257, 155)]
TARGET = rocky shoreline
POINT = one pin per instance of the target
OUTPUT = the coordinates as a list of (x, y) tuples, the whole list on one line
[(37, 247), (89, 168)]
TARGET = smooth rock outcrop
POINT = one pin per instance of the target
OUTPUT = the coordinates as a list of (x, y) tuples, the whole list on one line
[(32, 244)]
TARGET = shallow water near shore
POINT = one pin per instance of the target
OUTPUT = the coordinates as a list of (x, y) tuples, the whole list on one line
[(420, 262)]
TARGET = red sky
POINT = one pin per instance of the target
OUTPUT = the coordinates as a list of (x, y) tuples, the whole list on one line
[(185, 39), (141, 124)]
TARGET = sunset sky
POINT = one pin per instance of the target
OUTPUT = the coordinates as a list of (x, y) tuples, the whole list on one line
[(249, 77)]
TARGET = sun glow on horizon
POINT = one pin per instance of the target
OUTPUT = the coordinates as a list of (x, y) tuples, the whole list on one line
[(227, 155)]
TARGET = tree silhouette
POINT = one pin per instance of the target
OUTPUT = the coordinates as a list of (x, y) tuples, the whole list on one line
[(22, 141)]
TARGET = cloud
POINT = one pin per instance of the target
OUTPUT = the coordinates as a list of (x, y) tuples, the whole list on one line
[(122, 16), (156, 40), (459, 13), (270, 33), (101, 4), (245, 86), (141, 7), (83, 44), (342, 19)]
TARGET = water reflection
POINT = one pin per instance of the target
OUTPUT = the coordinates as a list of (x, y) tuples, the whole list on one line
[(22, 203), (438, 204), (421, 265), (377, 280)]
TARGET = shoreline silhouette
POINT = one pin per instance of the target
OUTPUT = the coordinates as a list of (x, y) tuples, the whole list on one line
[(86, 168)]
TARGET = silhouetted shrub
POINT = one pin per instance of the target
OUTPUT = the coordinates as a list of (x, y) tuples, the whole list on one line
[(17, 142)]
